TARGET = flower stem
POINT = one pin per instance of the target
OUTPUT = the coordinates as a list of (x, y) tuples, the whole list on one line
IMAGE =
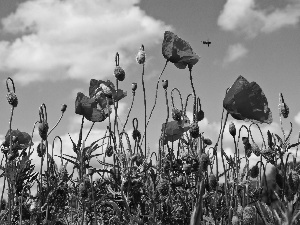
[(145, 109)]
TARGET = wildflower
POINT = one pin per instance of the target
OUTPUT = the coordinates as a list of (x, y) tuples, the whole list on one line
[(140, 58), (176, 114), (194, 130), (246, 101), (255, 149), (87, 107), (20, 140), (174, 130), (284, 109), (248, 215), (106, 90), (254, 172), (178, 51), (232, 129), (12, 99)]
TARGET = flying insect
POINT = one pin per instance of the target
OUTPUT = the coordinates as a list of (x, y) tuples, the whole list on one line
[(206, 42)]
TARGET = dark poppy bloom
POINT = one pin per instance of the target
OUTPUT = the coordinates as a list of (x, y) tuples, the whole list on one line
[(246, 101), (174, 130), (88, 107), (104, 91), (178, 51), (20, 140)]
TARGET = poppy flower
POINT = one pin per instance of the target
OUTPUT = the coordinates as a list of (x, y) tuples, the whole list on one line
[(102, 90), (21, 140), (175, 129), (88, 107), (246, 101), (178, 51)]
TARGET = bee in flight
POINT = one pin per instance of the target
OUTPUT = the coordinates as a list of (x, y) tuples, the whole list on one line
[(206, 42)]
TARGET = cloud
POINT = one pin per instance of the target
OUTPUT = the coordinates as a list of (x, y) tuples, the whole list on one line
[(234, 53), (245, 17), (75, 39), (297, 118)]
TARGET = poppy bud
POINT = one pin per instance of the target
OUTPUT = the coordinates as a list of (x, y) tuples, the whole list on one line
[(109, 151), (284, 109), (200, 115), (254, 172), (176, 114), (245, 140), (232, 129), (91, 171), (207, 141), (41, 149), (134, 86), (165, 84), (63, 108), (119, 73), (12, 99), (43, 130), (136, 135), (140, 58), (194, 130)]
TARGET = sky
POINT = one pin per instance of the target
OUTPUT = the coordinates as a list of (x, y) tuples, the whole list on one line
[(51, 49)]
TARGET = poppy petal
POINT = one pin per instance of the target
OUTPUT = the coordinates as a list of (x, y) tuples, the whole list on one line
[(246, 101), (178, 51)]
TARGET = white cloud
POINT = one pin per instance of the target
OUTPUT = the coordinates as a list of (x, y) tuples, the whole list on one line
[(297, 118), (245, 16), (75, 39), (234, 53)]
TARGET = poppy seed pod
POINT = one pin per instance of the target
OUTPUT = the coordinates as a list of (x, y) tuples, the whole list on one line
[(165, 84), (254, 172), (194, 130), (119, 73), (141, 56), (12, 99), (43, 130), (133, 86), (200, 115), (232, 129), (63, 108), (41, 149), (248, 215), (176, 114)]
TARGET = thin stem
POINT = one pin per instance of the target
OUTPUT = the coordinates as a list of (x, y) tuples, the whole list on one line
[(56, 124), (89, 131), (133, 95), (155, 98), (145, 109)]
